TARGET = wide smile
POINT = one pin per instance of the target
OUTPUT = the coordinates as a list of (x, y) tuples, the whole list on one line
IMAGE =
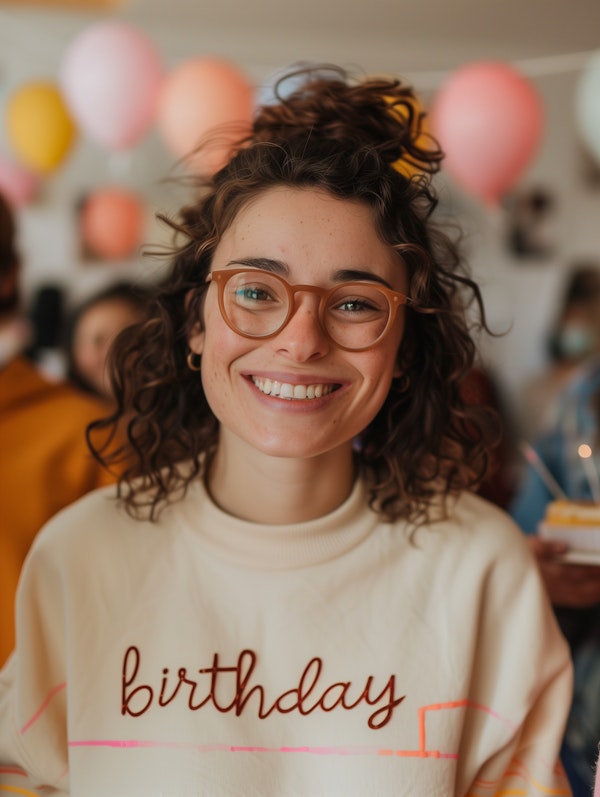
[(286, 390)]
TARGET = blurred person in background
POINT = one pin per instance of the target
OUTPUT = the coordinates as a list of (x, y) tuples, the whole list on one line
[(45, 463), (573, 339), (91, 330), (574, 589), (46, 317)]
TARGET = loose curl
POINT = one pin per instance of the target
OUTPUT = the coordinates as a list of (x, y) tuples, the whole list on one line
[(357, 140)]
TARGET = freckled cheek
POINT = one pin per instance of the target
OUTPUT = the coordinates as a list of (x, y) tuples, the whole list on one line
[(222, 349), (214, 372), (382, 362)]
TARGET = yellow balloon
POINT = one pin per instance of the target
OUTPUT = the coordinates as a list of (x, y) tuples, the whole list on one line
[(38, 126)]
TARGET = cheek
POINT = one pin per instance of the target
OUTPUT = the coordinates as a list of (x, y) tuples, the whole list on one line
[(212, 370), (386, 360), (199, 339), (221, 349), (395, 346), (375, 373), (85, 357)]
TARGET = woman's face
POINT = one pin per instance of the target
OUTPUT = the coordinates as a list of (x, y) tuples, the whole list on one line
[(94, 333), (308, 237)]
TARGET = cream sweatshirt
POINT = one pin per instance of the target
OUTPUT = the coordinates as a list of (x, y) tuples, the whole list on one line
[(205, 655)]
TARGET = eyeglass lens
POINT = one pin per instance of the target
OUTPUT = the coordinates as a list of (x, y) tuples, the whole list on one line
[(355, 315)]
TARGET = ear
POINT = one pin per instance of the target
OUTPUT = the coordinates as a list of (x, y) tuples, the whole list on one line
[(196, 340), (196, 336)]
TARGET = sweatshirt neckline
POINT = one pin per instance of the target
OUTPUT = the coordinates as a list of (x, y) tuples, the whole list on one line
[(279, 547)]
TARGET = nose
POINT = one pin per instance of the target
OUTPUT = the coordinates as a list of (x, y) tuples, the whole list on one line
[(303, 338)]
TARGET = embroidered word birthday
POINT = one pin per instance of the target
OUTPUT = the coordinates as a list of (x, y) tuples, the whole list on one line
[(233, 688)]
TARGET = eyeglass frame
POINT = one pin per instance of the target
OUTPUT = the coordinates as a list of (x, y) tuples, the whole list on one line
[(395, 300)]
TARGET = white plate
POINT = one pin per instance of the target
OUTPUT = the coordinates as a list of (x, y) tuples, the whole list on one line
[(581, 557)]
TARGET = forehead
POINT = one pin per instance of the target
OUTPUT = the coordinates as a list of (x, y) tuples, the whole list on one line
[(288, 204), (107, 312), (302, 226)]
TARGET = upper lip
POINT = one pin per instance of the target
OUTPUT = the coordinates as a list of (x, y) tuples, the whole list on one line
[(293, 379)]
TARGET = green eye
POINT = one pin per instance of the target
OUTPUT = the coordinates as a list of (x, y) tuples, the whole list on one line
[(252, 293), (355, 306), (359, 307)]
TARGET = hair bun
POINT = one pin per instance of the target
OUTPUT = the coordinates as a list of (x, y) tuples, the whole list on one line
[(376, 113)]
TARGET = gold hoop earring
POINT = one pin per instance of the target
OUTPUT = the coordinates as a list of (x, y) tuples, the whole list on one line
[(194, 361)]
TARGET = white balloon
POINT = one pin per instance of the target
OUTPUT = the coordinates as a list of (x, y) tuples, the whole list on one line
[(587, 105), (111, 76)]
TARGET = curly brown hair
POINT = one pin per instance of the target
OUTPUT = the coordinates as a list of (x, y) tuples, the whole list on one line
[(356, 139)]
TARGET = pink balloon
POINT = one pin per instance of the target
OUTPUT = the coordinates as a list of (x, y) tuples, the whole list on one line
[(110, 77), (112, 223), (17, 185), (488, 119), (198, 96)]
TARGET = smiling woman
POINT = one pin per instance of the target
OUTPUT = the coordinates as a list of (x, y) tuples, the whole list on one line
[(294, 545)]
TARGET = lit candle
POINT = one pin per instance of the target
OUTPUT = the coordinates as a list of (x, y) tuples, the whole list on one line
[(585, 454)]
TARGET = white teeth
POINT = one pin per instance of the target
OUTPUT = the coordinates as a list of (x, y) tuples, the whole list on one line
[(285, 390)]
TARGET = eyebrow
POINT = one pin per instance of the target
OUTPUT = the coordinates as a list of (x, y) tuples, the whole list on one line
[(264, 263), (279, 267)]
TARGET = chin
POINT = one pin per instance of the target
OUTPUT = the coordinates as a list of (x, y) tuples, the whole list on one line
[(285, 451), (305, 448)]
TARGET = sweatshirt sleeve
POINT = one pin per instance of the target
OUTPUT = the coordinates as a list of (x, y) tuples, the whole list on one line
[(523, 667), (33, 725)]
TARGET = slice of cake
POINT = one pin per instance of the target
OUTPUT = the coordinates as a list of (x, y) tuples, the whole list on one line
[(578, 524)]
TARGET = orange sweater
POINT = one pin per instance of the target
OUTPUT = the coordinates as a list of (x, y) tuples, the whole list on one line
[(45, 464)]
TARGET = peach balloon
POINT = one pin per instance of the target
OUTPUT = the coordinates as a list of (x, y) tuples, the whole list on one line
[(112, 222), (200, 97), (488, 119)]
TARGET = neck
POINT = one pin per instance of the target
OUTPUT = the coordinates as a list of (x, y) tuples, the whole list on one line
[(273, 490)]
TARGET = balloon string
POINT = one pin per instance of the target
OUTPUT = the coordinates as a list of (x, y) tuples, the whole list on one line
[(554, 64)]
